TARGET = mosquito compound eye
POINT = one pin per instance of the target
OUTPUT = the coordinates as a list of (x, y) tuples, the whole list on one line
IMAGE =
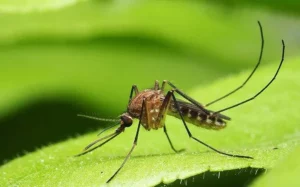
[(127, 120)]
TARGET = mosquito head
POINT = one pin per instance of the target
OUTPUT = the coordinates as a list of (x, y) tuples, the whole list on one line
[(126, 120)]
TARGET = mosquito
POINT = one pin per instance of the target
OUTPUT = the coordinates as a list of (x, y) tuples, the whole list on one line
[(151, 106)]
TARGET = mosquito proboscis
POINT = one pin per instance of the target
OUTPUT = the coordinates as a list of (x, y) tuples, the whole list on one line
[(151, 106)]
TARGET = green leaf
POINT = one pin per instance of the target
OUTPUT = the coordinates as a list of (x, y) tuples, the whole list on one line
[(285, 173), (270, 121)]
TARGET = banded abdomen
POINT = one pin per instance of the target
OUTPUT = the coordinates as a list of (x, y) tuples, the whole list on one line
[(192, 114)]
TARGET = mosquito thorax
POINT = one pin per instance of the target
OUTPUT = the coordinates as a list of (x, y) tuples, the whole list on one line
[(126, 120)]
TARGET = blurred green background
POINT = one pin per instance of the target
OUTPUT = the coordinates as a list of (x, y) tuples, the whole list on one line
[(61, 58)]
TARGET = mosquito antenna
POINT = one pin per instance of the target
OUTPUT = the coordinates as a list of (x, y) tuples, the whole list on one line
[(251, 98), (96, 118), (109, 128), (253, 71)]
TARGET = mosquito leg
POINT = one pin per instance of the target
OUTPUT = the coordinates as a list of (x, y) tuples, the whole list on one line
[(163, 85), (170, 142), (191, 136), (156, 85), (162, 114), (188, 98), (253, 71), (93, 148), (133, 146), (133, 89), (263, 89)]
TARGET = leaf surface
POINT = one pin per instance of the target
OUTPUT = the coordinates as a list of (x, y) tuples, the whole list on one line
[(256, 129)]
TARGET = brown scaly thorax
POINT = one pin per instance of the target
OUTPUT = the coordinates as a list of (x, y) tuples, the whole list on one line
[(153, 102)]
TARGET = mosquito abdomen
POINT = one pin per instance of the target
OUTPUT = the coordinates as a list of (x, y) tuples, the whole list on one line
[(195, 116)]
